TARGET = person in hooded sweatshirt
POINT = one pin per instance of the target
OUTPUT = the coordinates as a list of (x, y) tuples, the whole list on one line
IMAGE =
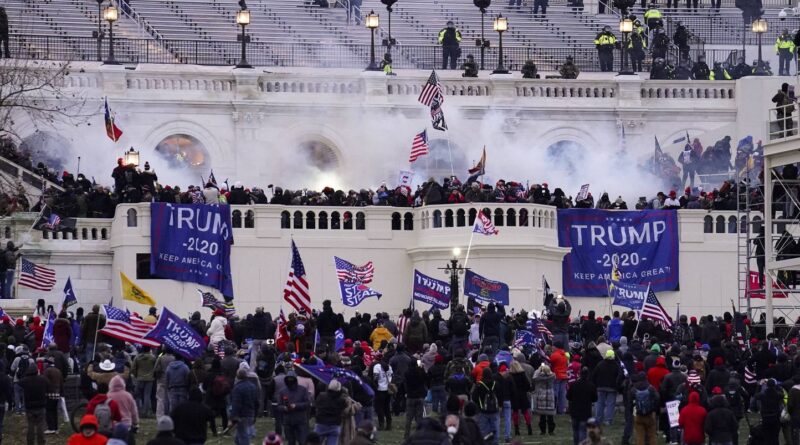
[(692, 420), (656, 374), (87, 433), (330, 405), (721, 425), (129, 413), (177, 382)]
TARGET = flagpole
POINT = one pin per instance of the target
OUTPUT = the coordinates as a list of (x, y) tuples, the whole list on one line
[(640, 311), (449, 152), (469, 246)]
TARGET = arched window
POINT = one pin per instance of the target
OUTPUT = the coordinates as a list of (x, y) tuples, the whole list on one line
[(396, 224), (708, 224), (437, 219), (236, 219), (249, 219), (523, 217), (285, 220), (720, 224), (472, 215), (84, 233), (132, 218), (732, 224), (94, 233), (103, 234), (348, 221), (335, 221), (298, 220), (743, 224), (448, 218), (310, 220), (7, 232), (461, 217), (498, 217), (361, 222), (511, 218), (408, 221), (323, 220), (182, 151)]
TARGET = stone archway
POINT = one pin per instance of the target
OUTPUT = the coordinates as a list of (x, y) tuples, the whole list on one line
[(184, 151)]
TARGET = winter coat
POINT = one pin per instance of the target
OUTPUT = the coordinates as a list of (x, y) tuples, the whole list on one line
[(143, 367), (692, 419), (544, 402), (379, 334), (581, 395), (177, 376), (329, 406), (244, 400), (127, 405), (657, 373), (62, 334), (79, 439), (559, 363), (298, 397), (522, 386), (216, 331), (793, 405), (720, 424), (607, 375)]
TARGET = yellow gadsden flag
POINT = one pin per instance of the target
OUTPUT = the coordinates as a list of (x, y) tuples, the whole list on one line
[(135, 293)]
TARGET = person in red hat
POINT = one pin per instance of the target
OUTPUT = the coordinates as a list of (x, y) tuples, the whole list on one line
[(672, 203), (692, 420)]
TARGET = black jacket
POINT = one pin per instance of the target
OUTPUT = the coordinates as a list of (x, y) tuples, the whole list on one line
[(192, 420), (34, 388), (165, 438), (581, 395), (327, 323), (258, 326), (415, 382), (607, 374), (700, 71), (329, 408), (720, 422)]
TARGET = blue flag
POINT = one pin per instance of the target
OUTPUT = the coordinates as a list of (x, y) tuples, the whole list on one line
[(47, 338), (629, 295), (339, 335), (173, 332), (326, 374), (524, 338), (430, 290), (484, 289), (503, 357), (69, 295), (353, 281), (192, 242)]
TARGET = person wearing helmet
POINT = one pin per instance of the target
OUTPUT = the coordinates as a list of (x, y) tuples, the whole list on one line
[(681, 39), (637, 45), (784, 48), (700, 70), (660, 44), (652, 16), (569, 70), (606, 42), (450, 39)]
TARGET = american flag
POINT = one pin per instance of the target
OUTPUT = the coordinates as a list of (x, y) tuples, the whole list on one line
[(419, 147), (350, 273), (53, 222), (124, 326), (431, 90), (36, 277), (538, 325), (523, 338), (693, 377), (3, 315), (207, 299), (484, 226), (296, 291), (653, 310), (749, 376)]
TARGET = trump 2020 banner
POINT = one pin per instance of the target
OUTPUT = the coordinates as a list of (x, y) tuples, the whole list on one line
[(644, 244), (173, 332), (430, 290), (627, 294), (484, 289), (192, 242)]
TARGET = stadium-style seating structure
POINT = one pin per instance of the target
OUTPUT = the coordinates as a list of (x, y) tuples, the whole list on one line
[(301, 33)]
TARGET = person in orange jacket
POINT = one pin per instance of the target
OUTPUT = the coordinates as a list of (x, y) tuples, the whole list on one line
[(88, 434), (559, 362)]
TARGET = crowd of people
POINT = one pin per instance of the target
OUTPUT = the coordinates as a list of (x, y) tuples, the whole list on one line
[(462, 379)]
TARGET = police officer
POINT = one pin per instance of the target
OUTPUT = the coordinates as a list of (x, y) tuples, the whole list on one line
[(569, 70), (683, 71), (784, 48), (700, 70), (450, 39), (660, 44), (651, 17), (721, 72), (741, 69), (470, 67), (660, 70), (681, 39), (386, 64), (529, 70), (605, 42), (637, 45)]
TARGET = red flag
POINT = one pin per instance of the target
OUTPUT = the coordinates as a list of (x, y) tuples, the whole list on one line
[(113, 132)]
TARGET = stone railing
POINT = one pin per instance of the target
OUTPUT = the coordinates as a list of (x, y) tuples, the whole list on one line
[(661, 89)]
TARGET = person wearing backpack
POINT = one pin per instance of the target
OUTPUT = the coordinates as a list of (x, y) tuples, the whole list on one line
[(459, 329), (416, 334), (19, 367), (645, 406), (485, 395), (106, 411), (217, 387), (544, 400)]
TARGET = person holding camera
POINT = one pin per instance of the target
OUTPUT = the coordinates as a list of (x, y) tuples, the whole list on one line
[(294, 403), (450, 39)]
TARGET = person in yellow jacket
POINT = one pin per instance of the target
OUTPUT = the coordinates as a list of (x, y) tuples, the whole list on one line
[(784, 48), (606, 42), (379, 334), (652, 17), (720, 72), (450, 39)]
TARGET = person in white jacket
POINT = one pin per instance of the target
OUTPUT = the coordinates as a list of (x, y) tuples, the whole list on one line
[(216, 331)]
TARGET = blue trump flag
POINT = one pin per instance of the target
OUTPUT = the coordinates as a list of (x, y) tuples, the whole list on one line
[(430, 290), (173, 332), (47, 337), (484, 289), (524, 338), (503, 357), (353, 282), (339, 337), (327, 373), (627, 294), (192, 242), (69, 295), (644, 244)]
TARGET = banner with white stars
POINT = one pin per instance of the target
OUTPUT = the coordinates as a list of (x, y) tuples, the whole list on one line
[(643, 244), (192, 242)]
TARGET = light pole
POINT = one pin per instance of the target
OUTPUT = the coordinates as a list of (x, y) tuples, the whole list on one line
[(111, 14), (243, 19), (388, 43), (625, 27), (454, 270), (131, 157), (99, 33), (482, 43), (501, 26), (760, 27), (372, 21)]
